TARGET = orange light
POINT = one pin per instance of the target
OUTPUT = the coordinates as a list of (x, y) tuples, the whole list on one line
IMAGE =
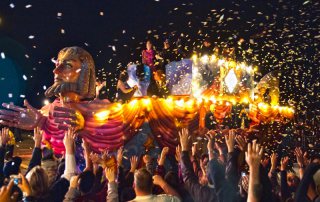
[(102, 116)]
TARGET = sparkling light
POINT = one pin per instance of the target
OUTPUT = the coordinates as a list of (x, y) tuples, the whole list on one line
[(231, 80), (205, 59), (46, 102), (102, 116)]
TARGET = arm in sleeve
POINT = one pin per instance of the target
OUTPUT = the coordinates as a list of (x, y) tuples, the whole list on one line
[(283, 185), (112, 193), (71, 167), (2, 154), (35, 159), (196, 190), (232, 174)]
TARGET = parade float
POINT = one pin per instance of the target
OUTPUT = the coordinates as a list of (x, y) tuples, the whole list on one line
[(199, 85)]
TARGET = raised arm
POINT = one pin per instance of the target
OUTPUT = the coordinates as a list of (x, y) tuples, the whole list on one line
[(4, 137), (253, 158), (36, 154), (86, 153), (158, 180), (112, 194), (196, 190), (71, 167)]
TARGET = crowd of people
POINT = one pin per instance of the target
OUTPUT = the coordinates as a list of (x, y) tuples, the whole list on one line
[(233, 170)]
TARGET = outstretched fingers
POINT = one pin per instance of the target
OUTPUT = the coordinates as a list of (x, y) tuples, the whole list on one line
[(13, 107)]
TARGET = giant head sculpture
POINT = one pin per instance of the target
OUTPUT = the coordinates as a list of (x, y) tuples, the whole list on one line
[(74, 74)]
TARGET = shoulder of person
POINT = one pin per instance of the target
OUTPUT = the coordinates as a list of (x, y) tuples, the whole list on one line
[(166, 197)]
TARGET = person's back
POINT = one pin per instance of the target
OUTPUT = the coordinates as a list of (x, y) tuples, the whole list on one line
[(157, 198), (143, 184)]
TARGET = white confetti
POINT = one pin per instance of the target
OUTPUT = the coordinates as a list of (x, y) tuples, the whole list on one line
[(12, 5), (28, 6), (101, 13), (59, 14), (22, 96), (31, 37), (113, 48), (25, 77), (44, 87), (10, 95), (3, 56)]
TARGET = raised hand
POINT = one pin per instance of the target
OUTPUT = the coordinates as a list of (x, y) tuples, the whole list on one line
[(242, 142), (178, 153), (74, 181), (184, 139), (69, 141), (37, 137), (265, 162), (25, 118), (284, 163), (194, 149), (110, 174), (86, 147), (164, 152), (94, 157), (254, 154), (306, 160), (210, 136), (273, 160), (299, 156), (133, 163), (230, 140), (4, 137), (66, 117), (119, 156)]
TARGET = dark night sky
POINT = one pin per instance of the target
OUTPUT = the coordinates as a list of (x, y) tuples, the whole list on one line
[(282, 34)]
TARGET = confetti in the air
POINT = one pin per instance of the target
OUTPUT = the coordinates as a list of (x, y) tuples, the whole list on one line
[(3, 56)]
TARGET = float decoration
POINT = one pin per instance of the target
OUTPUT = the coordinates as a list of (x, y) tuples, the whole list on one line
[(217, 85)]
